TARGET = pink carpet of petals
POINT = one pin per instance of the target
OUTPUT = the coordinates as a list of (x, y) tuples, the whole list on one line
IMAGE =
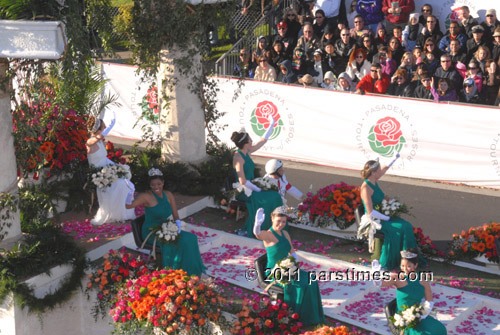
[(85, 230), (481, 322)]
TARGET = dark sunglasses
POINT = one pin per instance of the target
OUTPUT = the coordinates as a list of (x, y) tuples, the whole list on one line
[(373, 70), (281, 28), (427, 79), (446, 61), (426, 10), (489, 15), (289, 15), (431, 21), (398, 78), (473, 68), (319, 17), (467, 85)]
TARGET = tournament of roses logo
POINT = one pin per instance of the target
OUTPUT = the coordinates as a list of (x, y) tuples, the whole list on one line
[(259, 119), (386, 137), (149, 105), (454, 16)]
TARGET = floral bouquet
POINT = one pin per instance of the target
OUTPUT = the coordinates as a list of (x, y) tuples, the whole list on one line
[(166, 301), (326, 330), (284, 271), (392, 208), (167, 232), (425, 244), (108, 174), (266, 184), (477, 241), (260, 316), (410, 316), (117, 268), (335, 202)]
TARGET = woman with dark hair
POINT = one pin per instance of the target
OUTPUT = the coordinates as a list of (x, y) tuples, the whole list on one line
[(112, 199), (244, 170), (444, 91), (303, 297), (159, 205), (411, 289), (491, 81), (278, 54), (292, 21), (398, 233), (396, 49), (366, 42), (319, 23)]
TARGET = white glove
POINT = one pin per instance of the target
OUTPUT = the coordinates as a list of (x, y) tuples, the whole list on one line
[(377, 215), (429, 312), (294, 192), (259, 219), (130, 198), (376, 268), (251, 186), (178, 223), (271, 127), (294, 255), (106, 131), (394, 160)]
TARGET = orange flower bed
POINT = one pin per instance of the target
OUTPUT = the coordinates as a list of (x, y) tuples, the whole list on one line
[(477, 241)]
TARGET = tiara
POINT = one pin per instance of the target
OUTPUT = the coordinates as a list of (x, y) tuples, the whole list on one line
[(375, 165), (243, 137), (281, 210), (154, 172), (408, 254)]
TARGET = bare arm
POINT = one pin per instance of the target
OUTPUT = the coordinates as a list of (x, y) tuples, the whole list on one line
[(393, 282), (258, 145), (427, 290), (171, 199), (140, 200), (238, 163), (366, 195)]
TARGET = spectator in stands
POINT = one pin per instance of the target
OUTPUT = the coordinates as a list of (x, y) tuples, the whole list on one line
[(366, 42), (327, 37), (397, 12), (278, 54), (359, 28), (305, 10), (283, 35), (329, 81), (411, 32), (415, 81), (358, 65), (293, 25), (482, 55), (430, 62), (382, 38), (397, 32), (473, 71), (457, 53), (319, 23), (345, 83), (244, 68), (330, 57), (299, 66), (453, 34), (308, 42), (408, 63), (430, 30), (399, 84), (334, 11), (343, 49), (495, 51), (308, 81), (466, 21), (447, 71), (476, 41), (371, 11), (431, 46), (470, 93), (444, 91), (396, 49), (287, 76), (490, 24), (261, 47), (264, 71), (319, 68), (417, 54), (491, 81), (424, 90), (375, 82), (351, 14), (497, 101), (426, 11), (383, 58)]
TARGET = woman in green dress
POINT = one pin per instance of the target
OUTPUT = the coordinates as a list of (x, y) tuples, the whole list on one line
[(398, 233), (159, 205), (303, 297), (244, 168), (411, 290)]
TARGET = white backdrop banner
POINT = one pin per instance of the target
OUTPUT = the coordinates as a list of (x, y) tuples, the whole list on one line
[(437, 141)]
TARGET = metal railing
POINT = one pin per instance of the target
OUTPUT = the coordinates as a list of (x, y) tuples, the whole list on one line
[(261, 26)]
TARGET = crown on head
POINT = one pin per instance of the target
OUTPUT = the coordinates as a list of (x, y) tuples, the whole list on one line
[(155, 172), (408, 254)]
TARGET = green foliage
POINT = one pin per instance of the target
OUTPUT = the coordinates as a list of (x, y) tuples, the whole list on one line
[(122, 22), (35, 205), (8, 205)]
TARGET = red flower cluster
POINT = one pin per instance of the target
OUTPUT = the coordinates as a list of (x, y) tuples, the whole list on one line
[(425, 244), (262, 317), (335, 200), (115, 155), (477, 241), (326, 330)]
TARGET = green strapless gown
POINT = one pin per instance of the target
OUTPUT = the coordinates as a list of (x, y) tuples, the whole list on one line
[(268, 200), (303, 298), (185, 254), (398, 234), (410, 295)]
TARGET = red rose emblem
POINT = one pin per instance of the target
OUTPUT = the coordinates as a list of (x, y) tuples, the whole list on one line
[(388, 131), (455, 14), (152, 98), (263, 110)]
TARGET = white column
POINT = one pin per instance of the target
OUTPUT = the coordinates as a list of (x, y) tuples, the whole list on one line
[(8, 170), (182, 121)]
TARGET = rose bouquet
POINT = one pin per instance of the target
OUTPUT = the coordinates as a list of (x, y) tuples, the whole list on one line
[(266, 184), (326, 330), (410, 316), (425, 244), (335, 202), (285, 270), (108, 174), (166, 301), (261, 317), (477, 241), (392, 208), (114, 155), (117, 268)]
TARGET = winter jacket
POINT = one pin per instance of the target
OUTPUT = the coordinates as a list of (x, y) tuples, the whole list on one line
[(370, 10), (407, 7), (369, 85)]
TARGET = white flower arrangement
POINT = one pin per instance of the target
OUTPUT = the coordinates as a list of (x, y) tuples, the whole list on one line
[(265, 183), (392, 208), (109, 174), (168, 232), (411, 316), (287, 268)]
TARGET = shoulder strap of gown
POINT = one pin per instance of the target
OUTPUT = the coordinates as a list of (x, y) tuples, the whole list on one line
[(370, 184)]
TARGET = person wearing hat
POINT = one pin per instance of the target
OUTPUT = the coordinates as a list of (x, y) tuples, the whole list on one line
[(319, 67), (381, 37), (283, 35), (329, 81), (261, 46), (274, 170), (329, 57), (490, 24), (495, 50), (299, 66), (287, 76), (307, 80), (478, 39), (466, 21), (344, 83), (410, 33), (470, 94), (301, 293)]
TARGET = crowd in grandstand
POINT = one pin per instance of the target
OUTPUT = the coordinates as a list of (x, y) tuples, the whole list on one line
[(381, 46)]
